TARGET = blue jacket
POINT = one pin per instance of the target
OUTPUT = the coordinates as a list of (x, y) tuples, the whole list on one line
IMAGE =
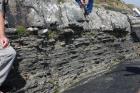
[(89, 6)]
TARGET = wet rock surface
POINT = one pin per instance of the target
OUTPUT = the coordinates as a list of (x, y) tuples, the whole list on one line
[(125, 78)]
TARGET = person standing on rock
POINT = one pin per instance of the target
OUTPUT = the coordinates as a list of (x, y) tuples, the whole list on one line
[(87, 5), (7, 53)]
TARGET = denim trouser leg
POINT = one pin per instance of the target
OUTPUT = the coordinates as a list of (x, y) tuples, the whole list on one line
[(78, 1), (89, 6)]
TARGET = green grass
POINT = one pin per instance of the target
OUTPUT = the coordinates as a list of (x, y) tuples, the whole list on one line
[(60, 1), (113, 4), (52, 34), (21, 30)]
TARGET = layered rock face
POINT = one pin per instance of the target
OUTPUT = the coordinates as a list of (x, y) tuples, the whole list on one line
[(74, 47)]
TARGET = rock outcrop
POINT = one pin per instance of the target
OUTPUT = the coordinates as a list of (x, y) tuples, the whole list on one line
[(73, 47), (42, 13), (135, 25)]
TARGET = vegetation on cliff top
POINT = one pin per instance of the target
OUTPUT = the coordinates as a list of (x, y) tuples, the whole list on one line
[(114, 4), (117, 5)]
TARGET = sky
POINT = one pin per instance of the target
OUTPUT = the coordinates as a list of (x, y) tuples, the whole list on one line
[(136, 2)]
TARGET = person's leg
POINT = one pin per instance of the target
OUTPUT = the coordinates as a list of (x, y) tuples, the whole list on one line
[(7, 56), (78, 1), (84, 2), (89, 6)]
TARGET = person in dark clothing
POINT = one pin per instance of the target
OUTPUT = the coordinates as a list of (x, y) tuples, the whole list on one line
[(87, 5)]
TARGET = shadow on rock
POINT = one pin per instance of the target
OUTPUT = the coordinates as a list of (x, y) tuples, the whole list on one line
[(14, 81), (135, 34), (133, 70)]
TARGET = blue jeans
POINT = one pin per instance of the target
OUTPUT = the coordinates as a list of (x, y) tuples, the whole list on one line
[(89, 6)]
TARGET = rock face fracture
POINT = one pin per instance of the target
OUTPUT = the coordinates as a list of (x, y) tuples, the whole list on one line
[(73, 48)]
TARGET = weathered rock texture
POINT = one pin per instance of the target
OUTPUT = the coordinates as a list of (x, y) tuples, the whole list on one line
[(43, 13), (74, 47), (51, 62)]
